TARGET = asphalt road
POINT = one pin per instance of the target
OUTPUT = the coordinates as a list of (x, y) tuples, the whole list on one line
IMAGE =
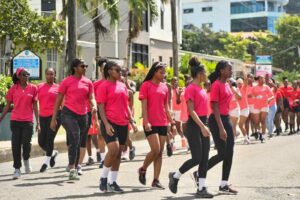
[(260, 171)]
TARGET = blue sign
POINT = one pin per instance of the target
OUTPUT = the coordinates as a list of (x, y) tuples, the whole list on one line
[(28, 60), (264, 60)]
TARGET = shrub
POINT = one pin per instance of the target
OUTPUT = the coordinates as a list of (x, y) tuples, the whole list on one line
[(5, 84)]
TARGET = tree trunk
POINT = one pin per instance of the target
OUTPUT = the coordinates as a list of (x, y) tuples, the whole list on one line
[(129, 40), (174, 37), (72, 32), (97, 40)]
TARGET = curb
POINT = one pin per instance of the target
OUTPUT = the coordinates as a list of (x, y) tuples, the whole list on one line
[(59, 144)]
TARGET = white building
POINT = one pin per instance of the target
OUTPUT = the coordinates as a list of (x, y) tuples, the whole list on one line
[(233, 15)]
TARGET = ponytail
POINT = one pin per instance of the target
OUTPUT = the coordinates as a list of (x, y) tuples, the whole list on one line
[(217, 73), (196, 67), (154, 68), (15, 78)]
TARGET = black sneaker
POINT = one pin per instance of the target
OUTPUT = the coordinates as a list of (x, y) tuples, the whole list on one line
[(52, 160), (195, 178), (103, 185), (115, 188), (173, 182), (101, 164), (90, 161), (142, 176), (43, 168), (203, 194), (156, 184), (169, 150), (227, 189), (132, 153), (98, 157)]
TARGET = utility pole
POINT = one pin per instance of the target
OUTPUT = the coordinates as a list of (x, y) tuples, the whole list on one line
[(72, 32), (174, 36)]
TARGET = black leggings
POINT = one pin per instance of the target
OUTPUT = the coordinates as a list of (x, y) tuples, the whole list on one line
[(21, 138), (46, 136), (224, 148), (75, 126), (199, 146)]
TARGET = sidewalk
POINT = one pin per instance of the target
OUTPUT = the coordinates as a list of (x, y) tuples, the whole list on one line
[(59, 144)]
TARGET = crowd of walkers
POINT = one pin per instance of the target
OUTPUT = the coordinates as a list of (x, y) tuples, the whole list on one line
[(102, 113)]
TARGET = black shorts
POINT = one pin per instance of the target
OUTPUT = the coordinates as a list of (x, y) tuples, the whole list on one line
[(120, 134), (160, 130), (286, 103), (295, 109)]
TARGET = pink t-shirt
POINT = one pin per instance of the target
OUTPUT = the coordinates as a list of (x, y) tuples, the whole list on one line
[(261, 94), (175, 106), (250, 99), (96, 85), (23, 100), (208, 103), (47, 97), (234, 102), (114, 96), (222, 94), (157, 97), (273, 101), (244, 101), (76, 91), (198, 96), (184, 112)]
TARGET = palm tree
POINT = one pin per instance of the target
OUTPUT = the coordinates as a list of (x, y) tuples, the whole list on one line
[(92, 7), (135, 16)]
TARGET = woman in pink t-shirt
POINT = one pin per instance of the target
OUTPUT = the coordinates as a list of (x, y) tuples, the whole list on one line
[(112, 100), (262, 95), (197, 132), (219, 122), (23, 96), (47, 93), (243, 102), (156, 117), (76, 90), (234, 107)]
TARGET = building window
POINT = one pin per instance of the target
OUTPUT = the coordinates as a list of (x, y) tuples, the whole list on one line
[(52, 58), (208, 25), (188, 10), (171, 62), (145, 21), (162, 23), (249, 24), (160, 59), (188, 26), (247, 7), (48, 7), (140, 53), (207, 9)]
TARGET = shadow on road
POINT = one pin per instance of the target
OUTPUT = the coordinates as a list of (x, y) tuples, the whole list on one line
[(99, 194)]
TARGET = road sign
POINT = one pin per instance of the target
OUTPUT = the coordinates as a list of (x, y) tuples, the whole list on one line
[(264, 60), (263, 70), (30, 61)]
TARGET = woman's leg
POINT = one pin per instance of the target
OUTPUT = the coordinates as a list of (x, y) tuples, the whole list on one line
[(42, 135), (292, 122), (154, 143), (158, 160), (16, 143), (234, 121)]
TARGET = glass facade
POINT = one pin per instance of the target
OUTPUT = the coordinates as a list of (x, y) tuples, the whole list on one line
[(247, 7), (249, 24), (140, 53)]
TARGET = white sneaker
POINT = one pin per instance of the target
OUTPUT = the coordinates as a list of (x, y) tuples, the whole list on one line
[(27, 166), (79, 170), (246, 141), (125, 155), (17, 174)]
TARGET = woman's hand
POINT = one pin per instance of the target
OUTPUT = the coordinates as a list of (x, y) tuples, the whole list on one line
[(53, 125), (147, 127), (109, 129), (205, 131), (38, 128), (223, 134)]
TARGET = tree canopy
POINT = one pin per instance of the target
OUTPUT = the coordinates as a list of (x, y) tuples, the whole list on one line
[(24, 26)]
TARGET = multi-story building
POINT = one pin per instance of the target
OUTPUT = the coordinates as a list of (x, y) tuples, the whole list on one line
[(293, 7), (233, 15)]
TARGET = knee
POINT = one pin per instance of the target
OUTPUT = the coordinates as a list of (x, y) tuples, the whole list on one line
[(156, 153)]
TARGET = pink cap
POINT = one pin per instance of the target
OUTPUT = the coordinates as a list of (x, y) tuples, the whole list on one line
[(19, 70)]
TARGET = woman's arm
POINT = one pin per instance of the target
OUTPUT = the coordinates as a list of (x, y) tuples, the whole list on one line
[(216, 112), (93, 103), (109, 129), (5, 110), (36, 114), (193, 114), (58, 103)]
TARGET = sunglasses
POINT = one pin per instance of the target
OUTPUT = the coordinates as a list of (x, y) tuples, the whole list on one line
[(160, 64), (25, 74), (116, 70), (83, 66)]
